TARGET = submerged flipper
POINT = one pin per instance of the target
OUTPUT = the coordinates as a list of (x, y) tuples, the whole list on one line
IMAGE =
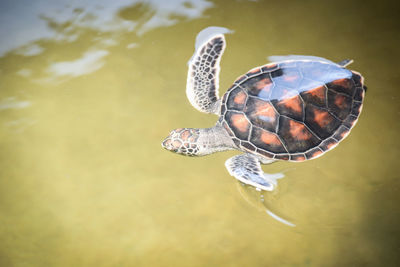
[(247, 169)]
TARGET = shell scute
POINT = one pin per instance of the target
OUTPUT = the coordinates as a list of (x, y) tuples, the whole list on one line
[(350, 121), (262, 88), (341, 132), (282, 156), (297, 157), (357, 78), (316, 96), (328, 144), (239, 124), (265, 153), (291, 105), (287, 77), (356, 108), (248, 146), (254, 72), (269, 67), (223, 109), (313, 153), (258, 86), (315, 71), (236, 141), (237, 99), (227, 128), (297, 137), (320, 121), (267, 140), (359, 94), (261, 113), (339, 104), (337, 73), (343, 85), (241, 79)]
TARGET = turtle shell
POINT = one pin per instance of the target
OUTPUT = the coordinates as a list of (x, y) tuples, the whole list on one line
[(293, 110)]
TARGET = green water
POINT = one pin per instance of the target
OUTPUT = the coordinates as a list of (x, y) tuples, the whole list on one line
[(89, 90)]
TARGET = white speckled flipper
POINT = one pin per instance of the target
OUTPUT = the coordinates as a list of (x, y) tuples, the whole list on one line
[(247, 169), (202, 82)]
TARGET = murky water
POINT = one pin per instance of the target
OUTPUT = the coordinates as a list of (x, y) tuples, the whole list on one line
[(88, 90)]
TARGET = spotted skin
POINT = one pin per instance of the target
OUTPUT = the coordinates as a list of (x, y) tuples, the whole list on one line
[(295, 110), (182, 141)]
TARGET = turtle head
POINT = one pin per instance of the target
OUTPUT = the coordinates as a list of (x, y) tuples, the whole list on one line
[(183, 141)]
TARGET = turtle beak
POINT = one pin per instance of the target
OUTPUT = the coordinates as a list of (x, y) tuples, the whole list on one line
[(167, 144)]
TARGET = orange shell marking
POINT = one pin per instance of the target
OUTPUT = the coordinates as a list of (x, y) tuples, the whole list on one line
[(291, 78), (264, 84), (293, 103), (321, 117), (240, 98), (344, 134), (270, 65), (240, 122), (318, 92), (340, 101), (332, 145), (300, 158), (270, 138), (343, 82), (266, 112), (255, 70), (299, 131), (316, 153)]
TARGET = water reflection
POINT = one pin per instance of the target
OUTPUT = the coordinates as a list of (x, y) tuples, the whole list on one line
[(56, 20), (13, 103), (29, 50), (24, 72), (256, 199), (88, 63)]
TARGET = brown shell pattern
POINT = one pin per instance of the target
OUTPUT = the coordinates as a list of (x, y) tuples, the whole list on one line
[(294, 110)]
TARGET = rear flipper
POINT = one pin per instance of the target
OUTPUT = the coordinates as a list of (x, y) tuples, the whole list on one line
[(247, 169)]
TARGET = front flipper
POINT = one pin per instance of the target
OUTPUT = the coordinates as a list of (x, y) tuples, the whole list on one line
[(247, 169), (202, 82)]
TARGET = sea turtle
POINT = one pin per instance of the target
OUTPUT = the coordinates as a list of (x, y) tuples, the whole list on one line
[(295, 109)]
